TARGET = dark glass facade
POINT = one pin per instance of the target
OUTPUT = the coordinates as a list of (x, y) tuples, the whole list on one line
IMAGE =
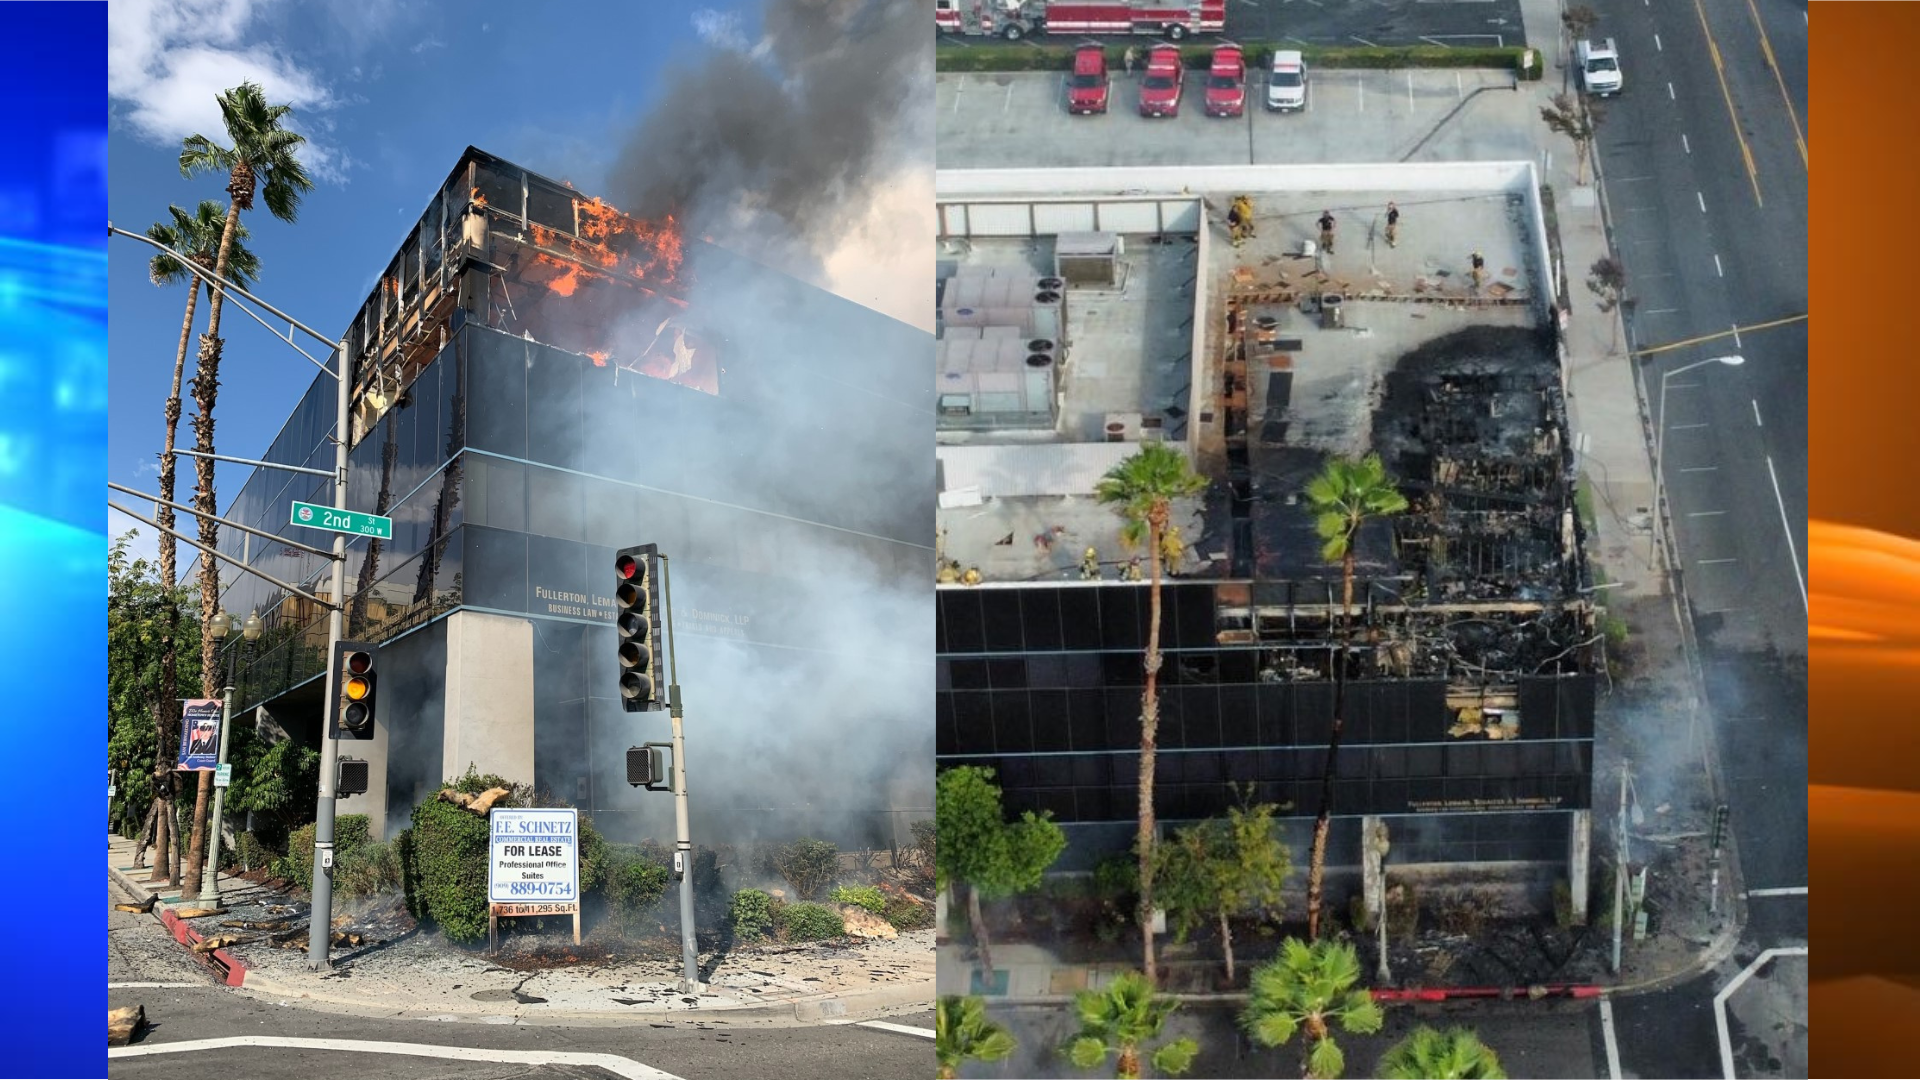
[(1043, 684), (512, 470)]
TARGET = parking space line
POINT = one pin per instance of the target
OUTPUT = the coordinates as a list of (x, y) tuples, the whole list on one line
[(1707, 513), (1661, 311), (1683, 385), (1606, 1030), (1685, 427), (1702, 468), (1792, 548), (1717, 268), (1684, 144), (1800, 891), (1670, 96), (1657, 47), (1736, 337), (1703, 201), (1756, 413), (1715, 562)]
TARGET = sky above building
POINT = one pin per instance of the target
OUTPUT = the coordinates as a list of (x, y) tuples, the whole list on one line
[(389, 95)]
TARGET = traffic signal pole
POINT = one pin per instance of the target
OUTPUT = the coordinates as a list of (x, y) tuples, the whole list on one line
[(682, 833), (320, 928)]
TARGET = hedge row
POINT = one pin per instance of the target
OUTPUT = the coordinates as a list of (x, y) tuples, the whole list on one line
[(1030, 57)]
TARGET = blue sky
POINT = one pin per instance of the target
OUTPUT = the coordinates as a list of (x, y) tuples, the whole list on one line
[(388, 95)]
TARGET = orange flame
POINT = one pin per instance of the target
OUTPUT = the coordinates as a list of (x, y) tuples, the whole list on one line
[(599, 358)]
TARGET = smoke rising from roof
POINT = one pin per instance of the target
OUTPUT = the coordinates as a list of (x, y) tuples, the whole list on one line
[(776, 149)]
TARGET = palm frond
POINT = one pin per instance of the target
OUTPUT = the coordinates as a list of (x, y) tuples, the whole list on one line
[(1176, 1058), (1326, 1060)]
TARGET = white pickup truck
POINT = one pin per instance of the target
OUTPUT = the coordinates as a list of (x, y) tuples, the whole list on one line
[(1599, 68)]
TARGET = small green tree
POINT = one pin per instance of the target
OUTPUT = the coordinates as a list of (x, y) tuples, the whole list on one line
[(962, 1032), (808, 865), (1120, 1020), (1222, 869), (980, 849), (1456, 1054), (1311, 987)]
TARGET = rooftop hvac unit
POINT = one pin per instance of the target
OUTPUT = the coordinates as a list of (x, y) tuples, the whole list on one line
[(1087, 258)]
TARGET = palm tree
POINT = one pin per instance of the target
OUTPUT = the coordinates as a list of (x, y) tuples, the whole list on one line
[(1142, 489), (1343, 497), (1457, 1054), (962, 1033), (1311, 987), (261, 158), (196, 236), (1120, 1020)]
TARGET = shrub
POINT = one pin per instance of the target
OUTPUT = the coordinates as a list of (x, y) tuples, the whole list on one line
[(250, 852), (905, 914), (808, 865), (809, 922), (368, 870), (447, 869), (751, 914), (865, 896), (633, 883), (349, 832)]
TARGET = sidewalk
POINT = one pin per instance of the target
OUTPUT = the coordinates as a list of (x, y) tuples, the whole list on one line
[(417, 974)]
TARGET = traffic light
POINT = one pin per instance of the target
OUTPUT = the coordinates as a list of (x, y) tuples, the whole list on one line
[(1719, 826), (354, 686), (637, 627)]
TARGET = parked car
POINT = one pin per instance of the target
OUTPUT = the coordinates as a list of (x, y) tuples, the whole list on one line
[(1287, 82), (1599, 68), (1088, 88), (1165, 78), (1227, 82)]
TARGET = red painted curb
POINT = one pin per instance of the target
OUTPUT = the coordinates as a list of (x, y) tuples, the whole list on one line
[(230, 969), (1503, 993)]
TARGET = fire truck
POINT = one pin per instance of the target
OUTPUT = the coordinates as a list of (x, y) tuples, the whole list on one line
[(1015, 19)]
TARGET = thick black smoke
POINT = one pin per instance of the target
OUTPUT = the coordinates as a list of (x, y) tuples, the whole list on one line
[(775, 150)]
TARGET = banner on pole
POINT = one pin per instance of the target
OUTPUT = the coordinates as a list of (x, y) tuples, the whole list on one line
[(199, 735)]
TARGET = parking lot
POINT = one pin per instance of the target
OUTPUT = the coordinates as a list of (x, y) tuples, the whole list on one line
[(1020, 120)]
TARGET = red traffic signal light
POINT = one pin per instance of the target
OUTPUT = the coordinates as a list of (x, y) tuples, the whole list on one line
[(636, 625)]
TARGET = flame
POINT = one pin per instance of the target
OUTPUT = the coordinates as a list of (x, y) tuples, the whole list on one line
[(655, 249), (479, 199), (599, 358), (567, 276)]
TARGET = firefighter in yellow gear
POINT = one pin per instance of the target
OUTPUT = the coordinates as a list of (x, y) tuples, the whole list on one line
[(1090, 565)]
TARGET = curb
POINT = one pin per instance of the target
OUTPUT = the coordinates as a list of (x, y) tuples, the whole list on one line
[(223, 963)]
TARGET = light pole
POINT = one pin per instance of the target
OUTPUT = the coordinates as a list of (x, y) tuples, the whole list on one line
[(1660, 433), (250, 630), (319, 938)]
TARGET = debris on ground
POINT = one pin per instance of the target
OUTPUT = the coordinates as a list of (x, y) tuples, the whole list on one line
[(861, 923), (198, 912), (141, 908), (123, 1025)]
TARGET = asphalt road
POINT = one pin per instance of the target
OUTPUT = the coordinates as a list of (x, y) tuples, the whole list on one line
[(186, 1007), (1706, 184)]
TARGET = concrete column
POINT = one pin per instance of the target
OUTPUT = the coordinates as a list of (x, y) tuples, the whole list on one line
[(1373, 882), (374, 803), (1579, 858), (489, 716)]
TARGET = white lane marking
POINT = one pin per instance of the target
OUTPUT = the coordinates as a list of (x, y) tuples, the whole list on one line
[(1717, 268), (1756, 412), (1701, 468), (1707, 513), (1703, 201), (1787, 524), (882, 1025), (1661, 311), (1685, 427), (1670, 96), (1657, 47), (619, 1066), (156, 985), (1801, 891), (1736, 337), (1715, 562), (1008, 104), (1360, 85), (1684, 144), (1459, 87), (957, 92), (1606, 1029), (1409, 88), (1720, 1002), (1684, 386)]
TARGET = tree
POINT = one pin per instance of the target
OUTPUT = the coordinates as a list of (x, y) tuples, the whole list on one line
[(141, 612), (1311, 986), (1577, 120), (1141, 489), (1222, 869), (196, 236), (1120, 1020), (1607, 279), (1577, 21), (262, 157), (1457, 1054), (962, 1032), (1343, 497), (980, 849)]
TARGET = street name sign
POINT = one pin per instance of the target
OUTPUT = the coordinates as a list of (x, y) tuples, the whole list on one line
[(350, 522)]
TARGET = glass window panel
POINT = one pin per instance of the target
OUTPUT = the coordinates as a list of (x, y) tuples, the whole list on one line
[(1000, 608), (1080, 617), (1040, 615), (1012, 722), (553, 504), (973, 723), (555, 422), (1051, 724), (497, 393), (969, 674), (1086, 712), (499, 563), (1008, 674), (1084, 670)]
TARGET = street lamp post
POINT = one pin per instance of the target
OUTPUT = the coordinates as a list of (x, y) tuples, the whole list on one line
[(1660, 433), (221, 625)]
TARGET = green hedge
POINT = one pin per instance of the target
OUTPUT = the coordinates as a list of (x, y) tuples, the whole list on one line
[(905, 914), (447, 869), (808, 922), (865, 896), (1030, 57), (751, 914), (634, 882), (349, 832), (368, 870)]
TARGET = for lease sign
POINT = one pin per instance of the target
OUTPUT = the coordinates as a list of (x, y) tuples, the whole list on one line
[(535, 858)]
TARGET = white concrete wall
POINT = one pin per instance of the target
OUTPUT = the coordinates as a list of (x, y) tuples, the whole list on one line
[(489, 718)]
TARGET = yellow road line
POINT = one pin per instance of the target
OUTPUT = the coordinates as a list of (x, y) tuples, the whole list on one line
[(1720, 69), (1722, 334), (1766, 46)]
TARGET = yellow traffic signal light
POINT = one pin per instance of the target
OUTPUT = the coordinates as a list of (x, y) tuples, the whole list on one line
[(354, 685)]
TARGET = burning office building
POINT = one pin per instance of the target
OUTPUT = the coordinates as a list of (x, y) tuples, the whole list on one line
[(1472, 677), (539, 380)]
